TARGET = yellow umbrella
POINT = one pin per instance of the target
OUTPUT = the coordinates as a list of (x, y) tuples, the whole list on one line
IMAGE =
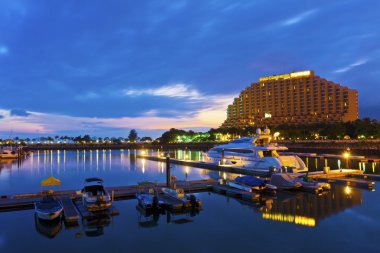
[(51, 181)]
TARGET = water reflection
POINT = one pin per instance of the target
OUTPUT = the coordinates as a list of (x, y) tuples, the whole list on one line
[(307, 209), (49, 229), (94, 225), (150, 219)]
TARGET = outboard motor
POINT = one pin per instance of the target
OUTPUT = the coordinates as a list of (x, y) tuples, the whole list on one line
[(193, 200), (155, 202)]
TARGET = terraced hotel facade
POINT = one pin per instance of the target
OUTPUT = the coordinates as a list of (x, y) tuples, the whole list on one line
[(294, 98)]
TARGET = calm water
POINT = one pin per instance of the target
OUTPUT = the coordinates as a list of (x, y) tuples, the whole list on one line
[(345, 219)]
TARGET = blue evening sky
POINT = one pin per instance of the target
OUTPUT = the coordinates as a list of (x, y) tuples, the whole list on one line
[(104, 67)]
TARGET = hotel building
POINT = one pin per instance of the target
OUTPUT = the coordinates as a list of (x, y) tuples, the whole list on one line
[(294, 98)]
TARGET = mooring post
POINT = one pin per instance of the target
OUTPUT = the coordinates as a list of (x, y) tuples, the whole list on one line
[(223, 156), (167, 171)]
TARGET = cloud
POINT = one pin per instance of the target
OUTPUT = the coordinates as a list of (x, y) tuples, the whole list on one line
[(210, 114), (3, 50), (351, 66), (174, 90), (298, 18), (19, 112), (88, 95)]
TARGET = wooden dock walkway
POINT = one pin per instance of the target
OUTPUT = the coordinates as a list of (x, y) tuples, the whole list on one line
[(70, 212)]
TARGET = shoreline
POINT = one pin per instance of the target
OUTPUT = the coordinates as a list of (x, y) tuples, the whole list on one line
[(366, 148)]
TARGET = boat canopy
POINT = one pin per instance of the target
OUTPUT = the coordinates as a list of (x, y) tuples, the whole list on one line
[(51, 181), (94, 179)]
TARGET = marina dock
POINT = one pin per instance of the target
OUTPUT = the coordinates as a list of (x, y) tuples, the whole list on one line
[(74, 210), (70, 213)]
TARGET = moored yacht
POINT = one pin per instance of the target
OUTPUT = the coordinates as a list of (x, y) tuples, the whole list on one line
[(257, 153), (8, 153)]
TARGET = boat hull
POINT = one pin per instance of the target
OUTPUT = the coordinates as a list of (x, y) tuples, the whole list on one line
[(48, 216)]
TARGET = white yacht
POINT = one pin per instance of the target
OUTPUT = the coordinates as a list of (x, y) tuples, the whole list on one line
[(256, 153), (8, 153)]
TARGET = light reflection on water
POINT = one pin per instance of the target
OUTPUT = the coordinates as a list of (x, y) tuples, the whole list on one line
[(340, 218)]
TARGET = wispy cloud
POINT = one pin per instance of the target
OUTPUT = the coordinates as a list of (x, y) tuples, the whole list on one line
[(211, 113), (88, 95), (351, 66), (174, 90), (298, 18)]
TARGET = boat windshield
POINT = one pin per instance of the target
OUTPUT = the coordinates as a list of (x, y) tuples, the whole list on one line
[(242, 140), (232, 150), (268, 153)]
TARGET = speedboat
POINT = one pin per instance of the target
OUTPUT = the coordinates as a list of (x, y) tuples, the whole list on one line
[(179, 194), (95, 196), (251, 183), (256, 153), (284, 181), (49, 208), (149, 200)]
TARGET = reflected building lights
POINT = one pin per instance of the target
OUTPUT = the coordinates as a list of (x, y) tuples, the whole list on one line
[(110, 158), (58, 161), (84, 160), (38, 162), (90, 159), (143, 165), (97, 160), (64, 160)]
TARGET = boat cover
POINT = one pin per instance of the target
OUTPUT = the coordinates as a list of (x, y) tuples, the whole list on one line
[(250, 181), (284, 180), (94, 179)]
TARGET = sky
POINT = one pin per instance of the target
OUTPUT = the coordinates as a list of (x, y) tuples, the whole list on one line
[(104, 67)]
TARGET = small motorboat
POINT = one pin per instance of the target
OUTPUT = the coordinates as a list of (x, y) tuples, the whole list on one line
[(49, 208), (284, 181), (251, 183), (179, 194), (94, 195), (149, 200), (309, 183)]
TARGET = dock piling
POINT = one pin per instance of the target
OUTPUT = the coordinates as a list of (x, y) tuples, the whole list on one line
[(168, 171)]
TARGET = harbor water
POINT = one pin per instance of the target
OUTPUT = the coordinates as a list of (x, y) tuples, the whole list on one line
[(345, 219)]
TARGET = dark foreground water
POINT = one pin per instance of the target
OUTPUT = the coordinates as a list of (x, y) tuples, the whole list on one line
[(345, 219)]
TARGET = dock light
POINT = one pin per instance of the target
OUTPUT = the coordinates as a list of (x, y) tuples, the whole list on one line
[(347, 155), (143, 152), (347, 190), (186, 157)]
